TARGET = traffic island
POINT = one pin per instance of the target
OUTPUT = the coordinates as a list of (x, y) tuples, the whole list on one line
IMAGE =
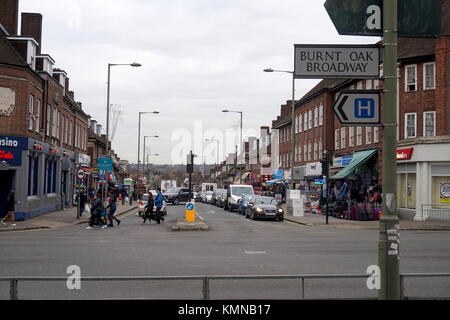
[(198, 225)]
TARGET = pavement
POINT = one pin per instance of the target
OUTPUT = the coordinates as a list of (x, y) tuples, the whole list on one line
[(60, 218), (312, 220)]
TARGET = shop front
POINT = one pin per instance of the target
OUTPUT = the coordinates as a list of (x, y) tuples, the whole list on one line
[(312, 185), (353, 192), (423, 182)]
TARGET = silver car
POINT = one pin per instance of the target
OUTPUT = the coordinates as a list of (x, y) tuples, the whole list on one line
[(143, 203)]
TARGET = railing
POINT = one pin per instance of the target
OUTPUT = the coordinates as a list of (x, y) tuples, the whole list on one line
[(206, 280), (432, 213)]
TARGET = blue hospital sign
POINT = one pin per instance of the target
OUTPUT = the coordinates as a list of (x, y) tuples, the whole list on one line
[(364, 108), (358, 108)]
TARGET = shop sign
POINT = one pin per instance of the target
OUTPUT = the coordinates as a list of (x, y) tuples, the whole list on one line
[(54, 150), (278, 174), (445, 193), (405, 154), (313, 169), (84, 159), (38, 146), (11, 150)]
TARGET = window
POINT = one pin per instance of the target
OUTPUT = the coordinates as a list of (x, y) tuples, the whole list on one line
[(411, 78), (47, 120), (343, 138), (310, 149), (376, 134), (410, 125), (58, 124), (54, 122), (358, 136), (320, 150), (368, 84), (300, 123), (31, 113), (316, 117), (429, 76), (376, 84), (310, 119), (429, 124), (305, 153), (299, 153), (315, 151), (337, 139), (321, 115), (359, 85), (368, 135), (296, 124), (70, 133), (305, 121), (38, 115), (351, 136)]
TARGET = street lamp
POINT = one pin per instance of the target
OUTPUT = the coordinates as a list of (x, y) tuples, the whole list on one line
[(143, 156), (139, 137), (135, 65), (292, 121), (241, 142)]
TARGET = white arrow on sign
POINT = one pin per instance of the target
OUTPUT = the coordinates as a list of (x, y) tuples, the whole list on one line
[(358, 108)]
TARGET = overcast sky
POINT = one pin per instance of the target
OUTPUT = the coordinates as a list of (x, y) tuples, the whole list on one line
[(199, 57)]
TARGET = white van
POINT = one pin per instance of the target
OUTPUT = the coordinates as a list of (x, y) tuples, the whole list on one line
[(234, 194)]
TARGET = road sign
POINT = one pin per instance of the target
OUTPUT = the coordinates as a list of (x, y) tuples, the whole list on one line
[(190, 212), (358, 108), (337, 61), (81, 174), (105, 164), (419, 18)]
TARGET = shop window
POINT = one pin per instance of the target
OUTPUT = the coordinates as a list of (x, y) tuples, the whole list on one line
[(31, 113), (36, 176), (337, 139), (440, 200), (410, 125), (49, 176), (30, 174), (351, 136), (406, 190), (368, 135), (411, 78), (429, 124), (54, 177), (429, 79)]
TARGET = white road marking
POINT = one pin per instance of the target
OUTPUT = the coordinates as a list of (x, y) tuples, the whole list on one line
[(255, 252)]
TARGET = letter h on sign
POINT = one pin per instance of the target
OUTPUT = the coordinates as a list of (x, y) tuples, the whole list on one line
[(364, 108)]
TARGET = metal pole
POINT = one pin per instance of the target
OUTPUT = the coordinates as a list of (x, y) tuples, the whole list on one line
[(293, 132), (139, 144), (388, 255), (242, 152), (143, 157), (107, 110)]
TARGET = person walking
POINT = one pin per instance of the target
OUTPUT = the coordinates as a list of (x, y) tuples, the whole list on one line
[(10, 209), (83, 201), (148, 210), (159, 202), (96, 213), (112, 206)]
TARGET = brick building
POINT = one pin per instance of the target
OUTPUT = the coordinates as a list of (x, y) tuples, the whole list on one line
[(43, 130)]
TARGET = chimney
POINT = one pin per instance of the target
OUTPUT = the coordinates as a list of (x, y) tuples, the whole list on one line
[(99, 130), (32, 27), (9, 15), (71, 94), (67, 84)]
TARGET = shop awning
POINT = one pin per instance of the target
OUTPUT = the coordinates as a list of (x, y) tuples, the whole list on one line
[(245, 175), (359, 158)]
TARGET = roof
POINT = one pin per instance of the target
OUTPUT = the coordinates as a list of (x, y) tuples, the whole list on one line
[(415, 47), (8, 54)]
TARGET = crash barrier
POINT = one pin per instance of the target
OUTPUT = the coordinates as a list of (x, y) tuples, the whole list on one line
[(432, 213), (206, 281)]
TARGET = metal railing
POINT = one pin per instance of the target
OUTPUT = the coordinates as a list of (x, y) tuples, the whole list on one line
[(206, 280), (435, 214)]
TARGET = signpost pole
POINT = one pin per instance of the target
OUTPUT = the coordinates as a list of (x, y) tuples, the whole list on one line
[(388, 246)]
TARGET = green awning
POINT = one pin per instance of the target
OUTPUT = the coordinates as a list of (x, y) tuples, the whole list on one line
[(359, 159)]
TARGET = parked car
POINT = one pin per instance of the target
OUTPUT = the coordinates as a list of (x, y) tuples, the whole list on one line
[(198, 197), (234, 194), (223, 199), (208, 196), (216, 196), (264, 208), (177, 195), (243, 203), (143, 202)]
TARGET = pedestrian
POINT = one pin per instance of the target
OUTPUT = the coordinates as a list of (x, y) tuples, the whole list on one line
[(10, 208), (112, 206), (83, 201), (148, 210), (96, 213), (130, 196), (159, 202)]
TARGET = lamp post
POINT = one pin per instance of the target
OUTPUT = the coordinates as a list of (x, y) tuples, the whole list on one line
[(139, 137), (241, 142), (143, 156), (135, 65), (292, 122)]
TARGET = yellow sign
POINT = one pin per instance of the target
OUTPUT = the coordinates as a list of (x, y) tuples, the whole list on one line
[(190, 212)]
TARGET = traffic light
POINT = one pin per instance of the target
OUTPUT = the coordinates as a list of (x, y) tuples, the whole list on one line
[(325, 168)]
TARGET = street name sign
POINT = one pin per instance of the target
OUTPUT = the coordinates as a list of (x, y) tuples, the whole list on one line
[(337, 61), (358, 108), (416, 18)]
